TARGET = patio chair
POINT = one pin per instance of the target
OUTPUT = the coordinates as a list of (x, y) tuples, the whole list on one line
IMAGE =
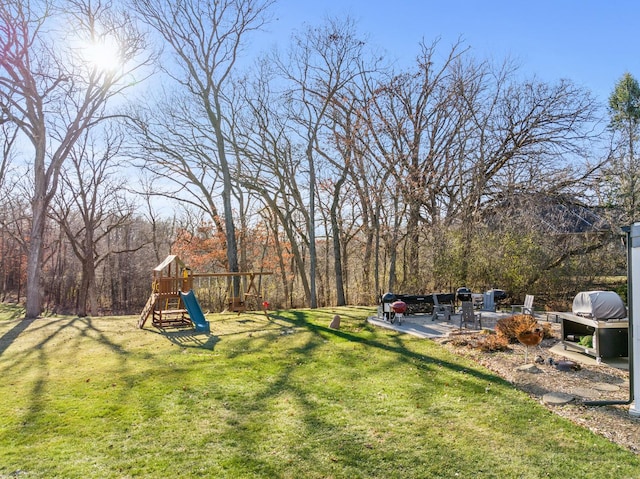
[(444, 309), (469, 315), (526, 308)]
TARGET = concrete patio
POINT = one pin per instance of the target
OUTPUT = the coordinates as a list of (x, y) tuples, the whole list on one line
[(423, 326)]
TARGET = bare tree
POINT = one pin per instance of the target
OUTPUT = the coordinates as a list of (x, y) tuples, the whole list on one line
[(528, 138), (271, 166), (8, 136), (414, 124), (14, 226), (177, 154), (91, 205), (55, 95), (163, 230), (205, 39), (456, 138), (321, 65)]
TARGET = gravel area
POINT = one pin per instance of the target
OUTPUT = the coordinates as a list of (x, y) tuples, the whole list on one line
[(562, 389)]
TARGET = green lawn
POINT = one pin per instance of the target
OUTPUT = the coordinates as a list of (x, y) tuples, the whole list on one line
[(278, 397)]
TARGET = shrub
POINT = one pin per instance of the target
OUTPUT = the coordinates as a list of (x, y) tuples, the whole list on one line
[(511, 326), (494, 342)]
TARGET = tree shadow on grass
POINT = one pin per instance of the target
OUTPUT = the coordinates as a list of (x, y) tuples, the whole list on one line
[(47, 331), (11, 311), (250, 324), (286, 387), (38, 345), (189, 338), (399, 348), (10, 336)]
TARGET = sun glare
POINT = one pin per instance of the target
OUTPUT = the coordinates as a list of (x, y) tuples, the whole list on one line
[(103, 55)]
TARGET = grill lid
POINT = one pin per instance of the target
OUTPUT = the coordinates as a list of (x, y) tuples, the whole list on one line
[(599, 305), (388, 297)]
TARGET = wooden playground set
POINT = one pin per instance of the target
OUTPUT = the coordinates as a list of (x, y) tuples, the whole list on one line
[(172, 303)]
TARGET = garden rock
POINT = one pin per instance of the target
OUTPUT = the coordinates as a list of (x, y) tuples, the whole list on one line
[(529, 368), (557, 398)]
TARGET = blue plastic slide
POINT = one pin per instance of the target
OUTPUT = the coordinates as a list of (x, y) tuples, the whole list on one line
[(195, 312)]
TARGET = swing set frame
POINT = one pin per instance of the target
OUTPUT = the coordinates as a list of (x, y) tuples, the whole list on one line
[(249, 290)]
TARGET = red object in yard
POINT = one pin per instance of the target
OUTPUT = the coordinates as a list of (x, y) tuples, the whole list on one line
[(265, 305), (399, 307)]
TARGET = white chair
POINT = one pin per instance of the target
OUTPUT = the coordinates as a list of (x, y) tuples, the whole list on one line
[(438, 308), (526, 308)]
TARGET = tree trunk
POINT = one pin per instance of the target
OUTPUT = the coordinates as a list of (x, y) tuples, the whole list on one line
[(87, 298), (313, 259), (227, 191), (414, 245), (39, 207), (393, 254), (280, 256), (293, 244), (376, 267), (34, 260), (337, 251)]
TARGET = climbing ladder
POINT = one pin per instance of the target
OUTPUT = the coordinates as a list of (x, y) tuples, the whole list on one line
[(148, 308)]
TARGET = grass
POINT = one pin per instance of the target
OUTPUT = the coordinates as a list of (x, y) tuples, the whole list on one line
[(284, 397)]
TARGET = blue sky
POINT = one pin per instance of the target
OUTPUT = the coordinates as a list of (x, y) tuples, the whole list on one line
[(592, 43)]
